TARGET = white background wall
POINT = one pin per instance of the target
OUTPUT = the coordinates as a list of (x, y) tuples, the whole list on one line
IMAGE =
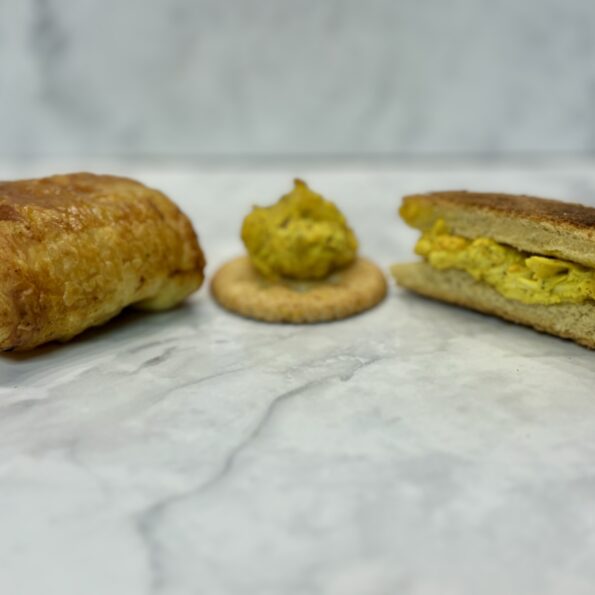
[(261, 77)]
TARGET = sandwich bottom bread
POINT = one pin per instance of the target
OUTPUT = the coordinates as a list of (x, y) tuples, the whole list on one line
[(527, 260), (571, 321)]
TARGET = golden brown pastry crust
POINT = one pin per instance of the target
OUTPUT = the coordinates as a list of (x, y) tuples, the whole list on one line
[(76, 249)]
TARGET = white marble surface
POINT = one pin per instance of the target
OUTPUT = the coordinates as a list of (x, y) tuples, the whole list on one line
[(202, 77), (417, 449)]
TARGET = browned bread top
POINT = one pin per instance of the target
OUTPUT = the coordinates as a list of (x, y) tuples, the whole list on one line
[(72, 200), (70, 203), (57, 191), (518, 205), (535, 225)]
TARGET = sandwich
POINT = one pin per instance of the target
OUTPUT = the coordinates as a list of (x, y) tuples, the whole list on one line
[(527, 260), (77, 249)]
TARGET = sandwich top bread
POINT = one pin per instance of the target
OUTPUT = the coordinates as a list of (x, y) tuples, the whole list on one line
[(529, 260)]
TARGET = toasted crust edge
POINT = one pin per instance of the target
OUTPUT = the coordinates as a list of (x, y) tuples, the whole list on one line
[(521, 205), (531, 224), (568, 321)]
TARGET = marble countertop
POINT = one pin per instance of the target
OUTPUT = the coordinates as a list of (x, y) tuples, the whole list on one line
[(416, 449)]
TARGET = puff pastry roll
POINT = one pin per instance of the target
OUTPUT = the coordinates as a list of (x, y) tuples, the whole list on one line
[(76, 249)]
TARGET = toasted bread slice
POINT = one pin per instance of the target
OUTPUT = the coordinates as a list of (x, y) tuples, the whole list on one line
[(535, 225), (570, 321)]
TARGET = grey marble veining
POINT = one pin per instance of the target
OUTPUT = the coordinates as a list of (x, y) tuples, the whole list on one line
[(415, 449), (259, 77)]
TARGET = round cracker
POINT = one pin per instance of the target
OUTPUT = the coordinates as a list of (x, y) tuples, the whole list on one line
[(238, 287)]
